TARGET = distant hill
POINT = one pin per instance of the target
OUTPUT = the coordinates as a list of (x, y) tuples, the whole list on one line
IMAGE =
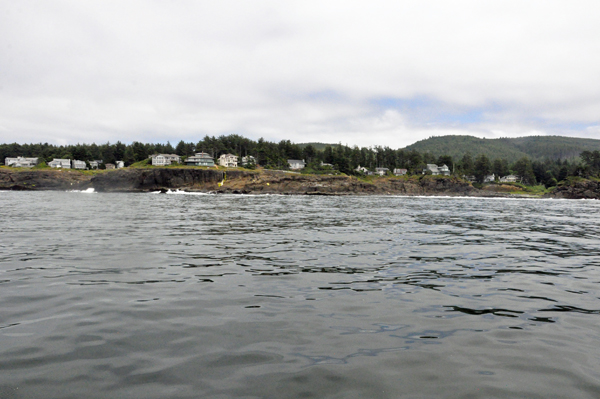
[(511, 149)]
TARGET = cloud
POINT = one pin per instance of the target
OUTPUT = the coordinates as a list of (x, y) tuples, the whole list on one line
[(382, 73)]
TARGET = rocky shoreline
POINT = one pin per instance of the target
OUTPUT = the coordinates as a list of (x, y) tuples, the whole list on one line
[(261, 182)]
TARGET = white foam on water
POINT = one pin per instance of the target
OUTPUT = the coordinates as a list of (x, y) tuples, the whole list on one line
[(181, 192), (86, 191)]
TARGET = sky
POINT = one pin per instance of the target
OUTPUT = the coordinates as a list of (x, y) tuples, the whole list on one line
[(386, 73)]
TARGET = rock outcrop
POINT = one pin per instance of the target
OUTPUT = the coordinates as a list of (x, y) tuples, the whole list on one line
[(153, 179), (577, 189), (44, 179), (270, 182)]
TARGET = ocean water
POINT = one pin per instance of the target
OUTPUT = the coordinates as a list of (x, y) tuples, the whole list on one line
[(224, 296)]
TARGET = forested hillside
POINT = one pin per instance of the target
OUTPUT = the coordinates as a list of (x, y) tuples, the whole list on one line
[(511, 149)]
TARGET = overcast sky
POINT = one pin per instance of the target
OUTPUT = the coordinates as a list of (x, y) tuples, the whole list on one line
[(357, 72)]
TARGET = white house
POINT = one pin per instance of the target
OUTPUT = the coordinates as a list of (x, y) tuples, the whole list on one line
[(489, 178), (120, 164), (362, 169), (381, 171), (400, 172), (200, 159), (509, 179), (60, 163), (21, 162), (437, 170), (228, 160), (296, 164), (248, 160), (75, 164), (164, 159)]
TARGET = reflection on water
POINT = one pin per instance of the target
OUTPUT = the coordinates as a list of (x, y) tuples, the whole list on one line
[(154, 296)]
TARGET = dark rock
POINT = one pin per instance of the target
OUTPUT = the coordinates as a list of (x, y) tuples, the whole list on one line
[(44, 179), (158, 179), (577, 189)]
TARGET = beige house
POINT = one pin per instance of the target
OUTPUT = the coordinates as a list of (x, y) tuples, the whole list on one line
[(228, 160), (164, 159)]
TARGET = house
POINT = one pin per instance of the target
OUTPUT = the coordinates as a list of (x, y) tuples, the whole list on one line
[(164, 159), (509, 179), (296, 164), (228, 160), (437, 170), (75, 164), (381, 171), (60, 163), (400, 172), (362, 169), (110, 166), (326, 165), (200, 159), (248, 160), (489, 178), (120, 164), (21, 162), (95, 163)]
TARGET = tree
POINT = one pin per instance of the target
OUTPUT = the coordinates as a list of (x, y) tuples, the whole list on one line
[(309, 152), (482, 168), (524, 170), (500, 168), (139, 151), (181, 148), (563, 173), (591, 159), (466, 164)]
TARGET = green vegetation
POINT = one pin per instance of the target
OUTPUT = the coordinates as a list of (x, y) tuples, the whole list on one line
[(145, 163), (41, 165)]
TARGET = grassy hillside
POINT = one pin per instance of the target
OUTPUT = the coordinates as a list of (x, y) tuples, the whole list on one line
[(511, 149)]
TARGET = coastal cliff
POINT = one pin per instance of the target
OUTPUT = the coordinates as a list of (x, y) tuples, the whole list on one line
[(43, 179), (271, 182), (233, 181), (157, 179), (266, 182)]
